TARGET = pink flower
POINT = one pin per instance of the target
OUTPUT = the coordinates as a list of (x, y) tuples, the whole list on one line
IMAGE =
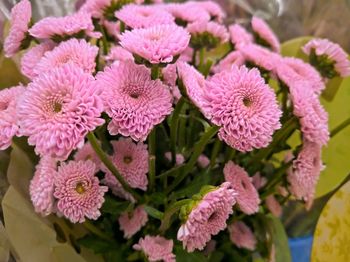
[(259, 181), (42, 186), (247, 195), (21, 14), (239, 36), (58, 109), (112, 28), (214, 10), (131, 223), (117, 189), (118, 53), (242, 236), (207, 218), (87, 153), (244, 106), (33, 56), (78, 192), (157, 44), (273, 205), (203, 161), (139, 16), (96, 8), (188, 12), (264, 35), (156, 248), (180, 159), (77, 52), (332, 56), (67, 26), (128, 101), (234, 58), (8, 115)]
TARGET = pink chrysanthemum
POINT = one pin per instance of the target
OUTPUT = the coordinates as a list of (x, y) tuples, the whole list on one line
[(21, 14), (112, 28), (42, 186), (242, 236), (70, 25), (332, 52), (58, 109), (131, 223), (259, 181), (118, 53), (180, 159), (214, 29), (77, 52), (128, 101), (33, 56), (8, 115), (207, 218), (264, 35), (215, 11), (203, 161), (157, 44), (234, 58), (139, 16), (305, 171), (95, 7), (244, 106), (78, 192), (87, 153), (273, 205), (117, 189), (156, 248), (188, 12), (239, 36), (247, 195)]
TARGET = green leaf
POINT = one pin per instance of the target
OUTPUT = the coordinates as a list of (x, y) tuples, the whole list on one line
[(98, 245), (113, 206), (183, 256), (154, 212)]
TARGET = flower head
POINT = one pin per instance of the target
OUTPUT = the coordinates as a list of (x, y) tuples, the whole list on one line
[(87, 153), (21, 14), (188, 12), (244, 106), (264, 35), (78, 192), (77, 52), (328, 57), (156, 44), (117, 189), (242, 236), (239, 36), (118, 53), (273, 205), (234, 58), (247, 196), (58, 109), (131, 223), (134, 102), (214, 9), (180, 159), (156, 248), (203, 161), (42, 186), (259, 181), (207, 217), (96, 8)]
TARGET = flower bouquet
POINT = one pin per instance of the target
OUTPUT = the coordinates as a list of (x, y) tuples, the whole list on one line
[(164, 132)]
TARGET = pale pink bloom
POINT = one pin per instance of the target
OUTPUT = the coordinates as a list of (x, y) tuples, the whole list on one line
[(8, 115), (112, 28), (33, 56), (118, 53), (128, 101), (332, 51), (67, 26), (131, 222), (187, 12), (117, 189), (264, 32), (21, 14), (207, 218), (273, 206), (58, 109), (88, 153), (78, 52), (234, 58), (180, 159), (78, 192), (156, 248), (216, 30), (157, 44), (247, 196), (244, 106), (95, 7), (203, 161), (42, 186), (242, 236), (259, 181), (239, 36), (140, 16), (214, 9)]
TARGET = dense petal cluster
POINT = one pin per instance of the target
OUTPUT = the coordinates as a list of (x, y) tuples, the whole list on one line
[(188, 12), (214, 9), (264, 35), (242, 236), (131, 223), (95, 7), (234, 58), (239, 36), (118, 53), (87, 153), (213, 29)]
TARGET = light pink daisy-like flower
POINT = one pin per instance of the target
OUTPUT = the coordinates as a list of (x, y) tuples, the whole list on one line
[(247, 195), (77, 52), (207, 218), (42, 186), (8, 115), (216, 30), (203, 161), (21, 14), (156, 44), (180, 159), (264, 35), (87, 153), (118, 53), (259, 181), (139, 16), (214, 10), (67, 26), (239, 36), (117, 189), (244, 106), (58, 109), (234, 58), (331, 53), (131, 223), (33, 56), (128, 101), (242, 236), (188, 12), (156, 248), (78, 192), (273, 205)]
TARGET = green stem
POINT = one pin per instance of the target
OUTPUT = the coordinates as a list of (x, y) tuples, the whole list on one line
[(214, 153), (230, 153), (194, 57), (340, 127), (152, 157), (105, 41), (201, 58), (95, 230), (122, 27), (174, 128), (105, 160), (155, 70), (170, 211)]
